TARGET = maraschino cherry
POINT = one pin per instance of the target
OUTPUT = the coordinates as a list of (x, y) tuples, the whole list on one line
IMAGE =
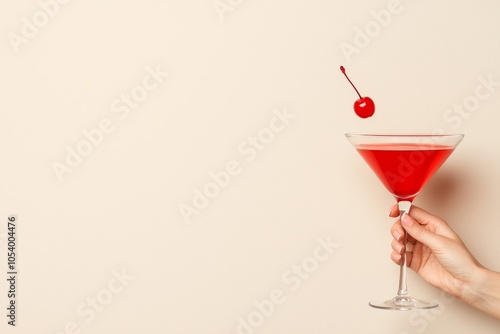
[(364, 106)]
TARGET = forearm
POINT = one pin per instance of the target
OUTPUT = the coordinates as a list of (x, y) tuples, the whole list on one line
[(483, 292)]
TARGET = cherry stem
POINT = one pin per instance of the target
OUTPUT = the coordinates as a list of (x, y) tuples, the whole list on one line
[(343, 71)]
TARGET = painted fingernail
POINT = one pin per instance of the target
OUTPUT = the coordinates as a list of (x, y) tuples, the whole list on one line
[(396, 235), (407, 220), (397, 257)]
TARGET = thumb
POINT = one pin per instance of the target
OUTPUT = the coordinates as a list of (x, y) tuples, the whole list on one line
[(419, 233)]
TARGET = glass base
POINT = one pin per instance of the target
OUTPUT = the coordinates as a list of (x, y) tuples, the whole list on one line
[(403, 303)]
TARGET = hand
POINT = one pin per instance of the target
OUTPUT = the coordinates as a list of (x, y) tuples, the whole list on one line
[(438, 254)]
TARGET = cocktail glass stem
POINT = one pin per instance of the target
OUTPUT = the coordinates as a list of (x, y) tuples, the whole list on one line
[(403, 301), (404, 207)]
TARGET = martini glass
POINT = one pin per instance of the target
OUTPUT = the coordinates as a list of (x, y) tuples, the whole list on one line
[(404, 163)]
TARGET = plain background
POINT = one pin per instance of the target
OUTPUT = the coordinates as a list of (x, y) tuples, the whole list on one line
[(118, 209)]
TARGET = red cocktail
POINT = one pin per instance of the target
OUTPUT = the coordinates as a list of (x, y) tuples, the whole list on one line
[(404, 168)]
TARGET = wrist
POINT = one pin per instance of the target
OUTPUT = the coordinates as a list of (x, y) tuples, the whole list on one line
[(483, 291), (473, 288)]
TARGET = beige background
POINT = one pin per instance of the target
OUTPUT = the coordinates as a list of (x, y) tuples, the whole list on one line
[(117, 213)]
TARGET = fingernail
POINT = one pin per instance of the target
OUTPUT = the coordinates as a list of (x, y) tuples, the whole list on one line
[(392, 212), (396, 235), (397, 257), (407, 220)]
